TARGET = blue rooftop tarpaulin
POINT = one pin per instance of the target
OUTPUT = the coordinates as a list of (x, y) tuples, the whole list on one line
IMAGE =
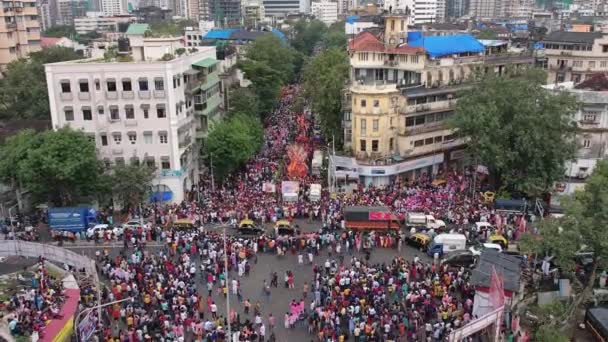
[(219, 34), (352, 19), (160, 196), (437, 46), (279, 34)]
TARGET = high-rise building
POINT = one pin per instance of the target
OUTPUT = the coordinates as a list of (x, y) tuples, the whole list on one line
[(416, 11), (440, 13), (19, 30), (225, 13), (151, 112), (67, 10), (280, 8), (486, 9), (114, 7), (44, 14), (325, 10), (456, 8)]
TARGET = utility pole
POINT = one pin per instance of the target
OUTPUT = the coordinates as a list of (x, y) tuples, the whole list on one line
[(87, 310), (227, 288), (212, 179)]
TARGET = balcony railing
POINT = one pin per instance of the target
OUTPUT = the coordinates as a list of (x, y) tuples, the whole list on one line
[(185, 142)]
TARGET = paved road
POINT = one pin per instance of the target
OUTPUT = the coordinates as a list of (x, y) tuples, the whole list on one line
[(267, 263)]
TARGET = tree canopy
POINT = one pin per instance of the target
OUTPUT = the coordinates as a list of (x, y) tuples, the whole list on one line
[(521, 131), (244, 101), (583, 226), (233, 142), (130, 183), (324, 79), (306, 34), (57, 166), (26, 79)]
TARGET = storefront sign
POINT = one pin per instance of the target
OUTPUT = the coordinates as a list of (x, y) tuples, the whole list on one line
[(459, 154), (171, 173)]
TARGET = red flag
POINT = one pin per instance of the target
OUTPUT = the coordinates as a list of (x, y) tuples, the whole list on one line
[(497, 292)]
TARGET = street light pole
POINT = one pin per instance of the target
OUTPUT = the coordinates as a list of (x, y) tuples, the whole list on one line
[(87, 310), (227, 288)]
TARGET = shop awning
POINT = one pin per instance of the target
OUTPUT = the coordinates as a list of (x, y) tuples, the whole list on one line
[(205, 63)]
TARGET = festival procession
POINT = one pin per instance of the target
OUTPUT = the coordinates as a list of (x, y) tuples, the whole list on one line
[(263, 257)]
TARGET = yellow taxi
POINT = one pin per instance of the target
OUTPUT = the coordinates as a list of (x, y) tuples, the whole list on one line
[(283, 227), (499, 239), (183, 224), (419, 240)]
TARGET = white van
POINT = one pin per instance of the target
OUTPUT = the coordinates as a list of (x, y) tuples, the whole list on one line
[(444, 243), (315, 192), (317, 162), (423, 220)]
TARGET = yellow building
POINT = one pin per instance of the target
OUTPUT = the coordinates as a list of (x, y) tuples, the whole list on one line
[(401, 96), (19, 30)]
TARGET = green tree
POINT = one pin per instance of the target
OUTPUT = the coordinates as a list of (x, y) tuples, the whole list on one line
[(521, 131), (306, 35), (233, 142), (244, 101), (60, 31), (274, 53), (26, 79), (57, 166), (130, 183), (324, 79), (335, 40), (583, 226), (487, 34), (266, 83)]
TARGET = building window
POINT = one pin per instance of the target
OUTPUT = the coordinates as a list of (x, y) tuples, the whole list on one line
[(577, 64), (65, 87), (114, 113), (363, 147), (428, 141), (143, 85), (126, 85), (160, 112), (363, 127), (409, 122), (376, 103), (603, 64), (107, 163), (591, 64), (100, 110), (129, 112), (390, 143), (418, 143), (86, 114), (374, 145), (438, 139), (375, 125), (165, 165), (363, 103), (111, 85), (132, 138), (589, 118), (163, 138), (587, 143), (69, 114), (104, 139), (150, 162), (120, 161), (159, 84), (98, 87), (146, 113), (117, 138), (84, 87), (148, 138)]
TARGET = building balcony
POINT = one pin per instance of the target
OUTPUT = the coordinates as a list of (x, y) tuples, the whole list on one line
[(202, 133), (207, 107), (426, 128), (117, 151), (84, 96), (130, 123), (185, 142), (65, 96), (144, 94), (111, 95), (30, 11), (560, 67), (159, 94), (127, 95), (430, 107)]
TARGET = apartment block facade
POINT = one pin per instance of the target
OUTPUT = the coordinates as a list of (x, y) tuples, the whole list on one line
[(19, 30), (402, 95), (147, 112), (575, 56)]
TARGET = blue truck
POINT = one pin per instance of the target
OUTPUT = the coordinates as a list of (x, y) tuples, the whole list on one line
[(73, 219)]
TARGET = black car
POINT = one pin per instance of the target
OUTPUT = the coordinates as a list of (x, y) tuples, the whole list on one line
[(459, 259), (250, 230)]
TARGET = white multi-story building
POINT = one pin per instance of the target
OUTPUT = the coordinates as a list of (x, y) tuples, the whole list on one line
[(114, 7), (148, 111), (98, 22), (418, 11), (326, 11), (592, 126), (355, 25)]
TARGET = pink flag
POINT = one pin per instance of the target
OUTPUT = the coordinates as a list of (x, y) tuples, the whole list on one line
[(497, 292)]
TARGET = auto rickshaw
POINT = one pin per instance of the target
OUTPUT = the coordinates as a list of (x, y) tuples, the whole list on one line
[(248, 227), (500, 240), (183, 224), (419, 240), (283, 227)]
